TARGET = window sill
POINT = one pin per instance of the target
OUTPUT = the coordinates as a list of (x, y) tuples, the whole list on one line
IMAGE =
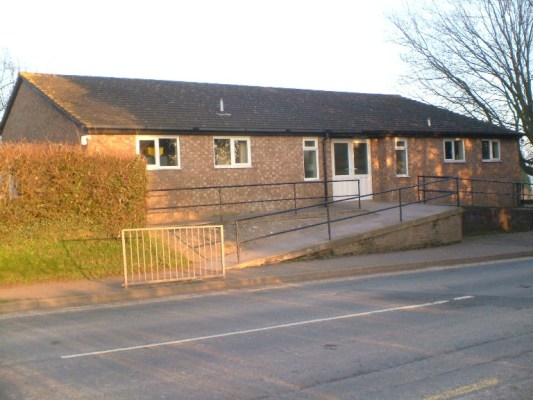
[(232, 166), (157, 168), (455, 161), (492, 161)]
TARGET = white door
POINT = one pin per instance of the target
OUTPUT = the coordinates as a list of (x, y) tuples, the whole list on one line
[(351, 161)]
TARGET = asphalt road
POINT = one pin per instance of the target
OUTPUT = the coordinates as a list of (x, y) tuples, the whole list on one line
[(459, 333)]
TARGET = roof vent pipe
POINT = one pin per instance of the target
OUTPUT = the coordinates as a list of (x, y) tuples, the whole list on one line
[(221, 112), (429, 122)]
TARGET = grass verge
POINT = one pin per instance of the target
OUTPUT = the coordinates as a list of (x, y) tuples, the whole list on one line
[(41, 254)]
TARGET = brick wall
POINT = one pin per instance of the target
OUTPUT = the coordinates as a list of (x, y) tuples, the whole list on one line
[(273, 160), (479, 220), (277, 159), (426, 157), (34, 118), (112, 143)]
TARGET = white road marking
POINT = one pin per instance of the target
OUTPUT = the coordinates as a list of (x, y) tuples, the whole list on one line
[(263, 329), (463, 298), (460, 391)]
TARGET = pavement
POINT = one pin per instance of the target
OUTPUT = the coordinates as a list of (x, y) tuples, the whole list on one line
[(472, 250)]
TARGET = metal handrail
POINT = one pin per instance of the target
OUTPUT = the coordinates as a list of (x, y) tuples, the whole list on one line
[(220, 203), (517, 189), (330, 221)]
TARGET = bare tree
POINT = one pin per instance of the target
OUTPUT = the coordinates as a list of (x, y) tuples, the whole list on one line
[(8, 75), (475, 57)]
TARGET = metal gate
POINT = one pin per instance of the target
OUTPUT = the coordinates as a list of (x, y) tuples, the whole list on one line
[(153, 255)]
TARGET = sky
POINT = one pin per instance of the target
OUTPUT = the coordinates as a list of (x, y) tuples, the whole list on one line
[(340, 45)]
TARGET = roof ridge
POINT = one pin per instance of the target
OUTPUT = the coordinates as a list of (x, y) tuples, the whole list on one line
[(234, 85)]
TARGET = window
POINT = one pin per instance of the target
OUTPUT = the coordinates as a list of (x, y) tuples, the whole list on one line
[(490, 150), (360, 158), (310, 159), (342, 160), (232, 152), (401, 157), (454, 150), (160, 152)]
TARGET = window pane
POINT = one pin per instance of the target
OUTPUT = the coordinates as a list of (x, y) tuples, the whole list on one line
[(485, 150), (341, 159), (147, 149), (168, 152), (309, 143), (360, 158), (448, 150), (222, 152), (401, 162), (496, 150), (459, 150), (241, 151), (310, 164)]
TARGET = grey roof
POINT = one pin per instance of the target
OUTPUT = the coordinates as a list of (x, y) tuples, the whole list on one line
[(139, 104)]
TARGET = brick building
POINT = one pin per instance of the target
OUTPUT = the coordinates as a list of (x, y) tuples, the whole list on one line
[(205, 135)]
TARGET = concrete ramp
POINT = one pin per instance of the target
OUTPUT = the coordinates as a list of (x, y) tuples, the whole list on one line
[(372, 232)]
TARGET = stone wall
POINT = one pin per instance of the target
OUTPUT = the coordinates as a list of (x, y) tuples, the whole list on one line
[(479, 220), (436, 230)]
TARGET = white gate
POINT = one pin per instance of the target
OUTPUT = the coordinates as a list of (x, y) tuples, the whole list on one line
[(154, 255)]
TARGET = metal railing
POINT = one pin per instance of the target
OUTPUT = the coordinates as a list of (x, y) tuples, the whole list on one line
[(290, 195), (526, 190), (401, 203), (154, 255), (478, 192)]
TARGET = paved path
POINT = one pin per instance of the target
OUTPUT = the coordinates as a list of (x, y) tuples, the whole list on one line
[(351, 221)]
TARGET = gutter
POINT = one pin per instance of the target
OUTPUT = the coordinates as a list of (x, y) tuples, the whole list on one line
[(337, 133), (213, 130)]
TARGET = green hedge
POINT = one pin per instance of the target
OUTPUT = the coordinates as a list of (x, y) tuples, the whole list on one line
[(47, 183)]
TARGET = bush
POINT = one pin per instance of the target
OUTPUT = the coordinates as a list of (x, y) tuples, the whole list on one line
[(46, 182), (61, 212)]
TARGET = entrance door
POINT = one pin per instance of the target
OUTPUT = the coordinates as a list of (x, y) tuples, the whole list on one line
[(351, 160)]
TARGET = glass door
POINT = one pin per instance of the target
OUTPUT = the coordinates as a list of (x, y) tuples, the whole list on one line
[(350, 162)]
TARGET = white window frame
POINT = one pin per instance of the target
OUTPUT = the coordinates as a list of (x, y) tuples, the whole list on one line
[(403, 148), (454, 158), (233, 163), (491, 158), (157, 165), (314, 148)]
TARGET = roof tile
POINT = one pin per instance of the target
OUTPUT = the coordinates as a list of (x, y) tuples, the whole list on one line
[(119, 103)]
